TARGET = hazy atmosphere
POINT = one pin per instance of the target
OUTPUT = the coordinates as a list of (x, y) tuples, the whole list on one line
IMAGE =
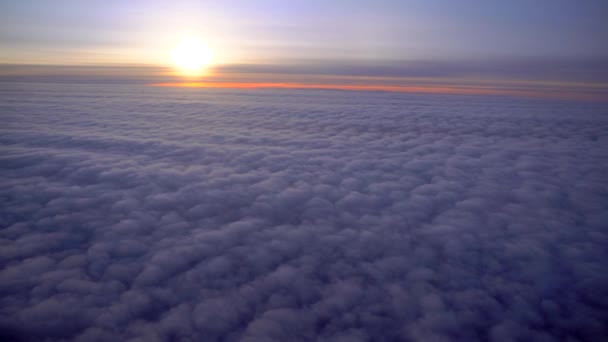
[(303, 171)]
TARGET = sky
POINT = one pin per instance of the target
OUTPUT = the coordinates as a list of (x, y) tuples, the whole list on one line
[(303, 171), (521, 41)]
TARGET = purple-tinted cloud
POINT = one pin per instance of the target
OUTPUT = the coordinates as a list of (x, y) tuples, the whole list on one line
[(145, 214)]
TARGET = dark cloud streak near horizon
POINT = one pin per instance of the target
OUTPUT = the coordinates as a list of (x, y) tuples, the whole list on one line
[(568, 79), (144, 214), (593, 70)]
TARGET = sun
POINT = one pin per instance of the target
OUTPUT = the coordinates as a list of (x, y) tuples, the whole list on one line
[(191, 57)]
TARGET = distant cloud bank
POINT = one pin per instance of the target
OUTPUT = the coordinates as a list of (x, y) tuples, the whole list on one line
[(574, 79), (134, 213)]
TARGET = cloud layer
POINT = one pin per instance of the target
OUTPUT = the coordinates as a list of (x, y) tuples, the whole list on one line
[(146, 214)]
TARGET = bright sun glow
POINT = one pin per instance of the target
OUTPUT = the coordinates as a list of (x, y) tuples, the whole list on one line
[(191, 57)]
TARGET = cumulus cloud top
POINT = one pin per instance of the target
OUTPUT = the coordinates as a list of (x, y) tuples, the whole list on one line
[(143, 214)]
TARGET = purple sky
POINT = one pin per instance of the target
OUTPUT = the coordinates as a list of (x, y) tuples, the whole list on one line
[(541, 41)]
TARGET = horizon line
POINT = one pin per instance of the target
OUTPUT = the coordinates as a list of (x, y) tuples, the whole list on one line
[(440, 89)]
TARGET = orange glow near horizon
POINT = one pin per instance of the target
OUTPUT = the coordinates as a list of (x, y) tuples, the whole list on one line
[(389, 88)]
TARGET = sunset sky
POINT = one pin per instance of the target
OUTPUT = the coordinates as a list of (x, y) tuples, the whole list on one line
[(550, 46), (303, 170)]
